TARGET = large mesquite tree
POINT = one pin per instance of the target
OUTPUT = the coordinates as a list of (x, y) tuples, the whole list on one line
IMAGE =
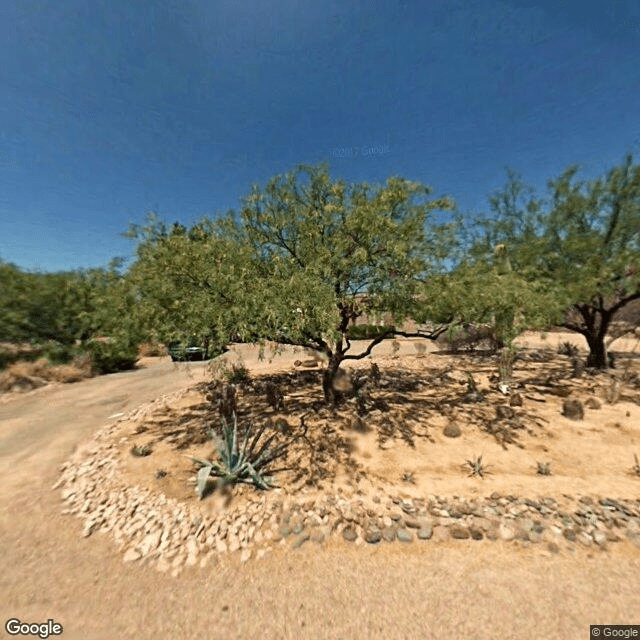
[(292, 266), (582, 247)]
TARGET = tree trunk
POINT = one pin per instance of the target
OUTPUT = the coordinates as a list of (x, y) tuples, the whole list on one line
[(597, 352), (328, 378)]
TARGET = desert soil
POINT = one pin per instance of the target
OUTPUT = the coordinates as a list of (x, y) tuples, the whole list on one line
[(334, 589)]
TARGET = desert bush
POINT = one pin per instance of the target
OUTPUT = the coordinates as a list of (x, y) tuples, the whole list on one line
[(69, 372), (24, 375), (242, 464), (543, 469), (59, 353), (111, 357), (237, 374)]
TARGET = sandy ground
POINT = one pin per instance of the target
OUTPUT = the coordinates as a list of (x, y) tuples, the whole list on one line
[(452, 589)]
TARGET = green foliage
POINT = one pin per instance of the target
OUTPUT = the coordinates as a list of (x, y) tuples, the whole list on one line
[(368, 331), (290, 267), (477, 468), (141, 451), (582, 247), (111, 357), (58, 353), (242, 464)]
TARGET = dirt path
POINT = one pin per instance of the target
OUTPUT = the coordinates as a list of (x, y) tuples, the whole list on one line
[(455, 590)]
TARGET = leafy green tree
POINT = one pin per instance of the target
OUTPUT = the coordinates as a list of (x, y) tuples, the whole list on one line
[(582, 247), (292, 266), (63, 307), (15, 303)]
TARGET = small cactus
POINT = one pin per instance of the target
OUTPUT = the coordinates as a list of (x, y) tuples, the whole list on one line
[(543, 469), (408, 477), (477, 467), (141, 451)]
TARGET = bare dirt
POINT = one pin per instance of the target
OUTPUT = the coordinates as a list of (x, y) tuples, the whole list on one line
[(335, 589)]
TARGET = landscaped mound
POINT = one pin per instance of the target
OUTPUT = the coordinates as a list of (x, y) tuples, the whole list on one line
[(389, 463)]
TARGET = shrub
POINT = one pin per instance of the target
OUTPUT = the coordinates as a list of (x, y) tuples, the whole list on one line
[(111, 357), (59, 353), (25, 375), (238, 373)]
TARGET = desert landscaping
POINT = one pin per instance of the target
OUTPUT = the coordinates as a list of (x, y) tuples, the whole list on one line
[(422, 465)]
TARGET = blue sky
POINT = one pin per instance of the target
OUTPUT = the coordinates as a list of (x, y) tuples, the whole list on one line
[(111, 109)]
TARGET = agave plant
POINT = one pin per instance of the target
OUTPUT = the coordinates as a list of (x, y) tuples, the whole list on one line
[(477, 468), (568, 349), (239, 464)]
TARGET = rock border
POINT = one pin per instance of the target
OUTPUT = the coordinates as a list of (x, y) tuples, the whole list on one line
[(171, 535)]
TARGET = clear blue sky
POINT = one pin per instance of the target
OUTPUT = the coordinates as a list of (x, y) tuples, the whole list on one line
[(110, 109)]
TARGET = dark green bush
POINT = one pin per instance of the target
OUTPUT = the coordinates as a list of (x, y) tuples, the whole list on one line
[(111, 357), (368, 331), (58, 353)]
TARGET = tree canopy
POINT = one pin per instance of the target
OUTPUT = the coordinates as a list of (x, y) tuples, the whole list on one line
[(582, 246), (293, 265)]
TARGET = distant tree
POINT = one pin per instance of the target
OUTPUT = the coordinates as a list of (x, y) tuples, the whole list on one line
[(582, 247), (66, 306), (293, 267)]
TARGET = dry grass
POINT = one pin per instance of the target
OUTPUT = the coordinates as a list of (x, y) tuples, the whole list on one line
[(23, 376)]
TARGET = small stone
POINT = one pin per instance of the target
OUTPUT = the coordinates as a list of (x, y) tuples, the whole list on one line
[(553, 547), (425, 533), (476, 533), (389, 534), (452, 431), (599, 538), (503, 412), (506, 533), (372, 536), (404, 535), (585, 539), (245, 555), (349, 534), (573, 409), (221, 546), (131, 555), (458, 532), (440, 534), (191, 560)]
